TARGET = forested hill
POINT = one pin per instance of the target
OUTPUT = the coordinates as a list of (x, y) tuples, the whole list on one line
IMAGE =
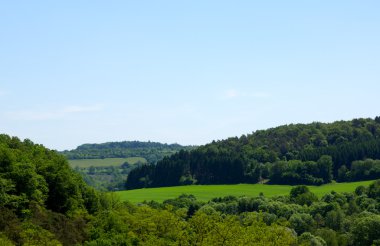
[(42, 199), (312, 153), (151, 151), (44, 202)]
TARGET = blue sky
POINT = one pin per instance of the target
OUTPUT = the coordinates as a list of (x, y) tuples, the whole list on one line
[(190, 72)]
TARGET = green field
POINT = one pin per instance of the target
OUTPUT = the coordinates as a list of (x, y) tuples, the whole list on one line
[(207, 192), (106, 162)]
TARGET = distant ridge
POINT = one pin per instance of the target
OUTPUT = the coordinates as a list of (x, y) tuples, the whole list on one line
[(151, 151)]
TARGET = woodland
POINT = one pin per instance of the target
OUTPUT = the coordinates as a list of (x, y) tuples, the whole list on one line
[(43, 201)]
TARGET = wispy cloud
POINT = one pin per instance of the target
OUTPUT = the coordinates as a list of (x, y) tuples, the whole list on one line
[(53, 114), (231, 93), (3, 92), (234, 93), (82, 109), (261, 94)]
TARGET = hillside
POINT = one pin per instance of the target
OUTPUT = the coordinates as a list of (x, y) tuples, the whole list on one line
[(151, 151), (43, 202), (107, 173), (106, 162), (105, 166), (311, 154)]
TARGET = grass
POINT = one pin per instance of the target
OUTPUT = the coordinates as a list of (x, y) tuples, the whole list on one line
[(106, 162), (207, 192)]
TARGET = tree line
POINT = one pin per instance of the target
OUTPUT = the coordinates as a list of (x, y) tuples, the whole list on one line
[(300, 218), (41, 197), (297, 150), (151, 151), (107, 178)]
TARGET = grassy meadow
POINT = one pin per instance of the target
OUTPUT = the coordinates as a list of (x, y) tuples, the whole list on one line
[(207, 192), (106, 162)]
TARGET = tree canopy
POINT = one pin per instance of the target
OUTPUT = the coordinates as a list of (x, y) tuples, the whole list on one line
[(290, 154), (44, 202), (151, 151)]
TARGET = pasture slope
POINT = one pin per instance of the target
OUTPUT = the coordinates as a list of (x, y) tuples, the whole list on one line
[(207, 192), (106, 162)]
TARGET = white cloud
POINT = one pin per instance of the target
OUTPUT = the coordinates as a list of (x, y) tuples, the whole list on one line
[(233, 93), (54, 114), (82, 109), (33, 115)]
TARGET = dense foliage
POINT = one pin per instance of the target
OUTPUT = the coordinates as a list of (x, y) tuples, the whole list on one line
[(360, 170), (297, 219), (44, 202), (151, 151), (41, 197), (291, 154), (335, 219)]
